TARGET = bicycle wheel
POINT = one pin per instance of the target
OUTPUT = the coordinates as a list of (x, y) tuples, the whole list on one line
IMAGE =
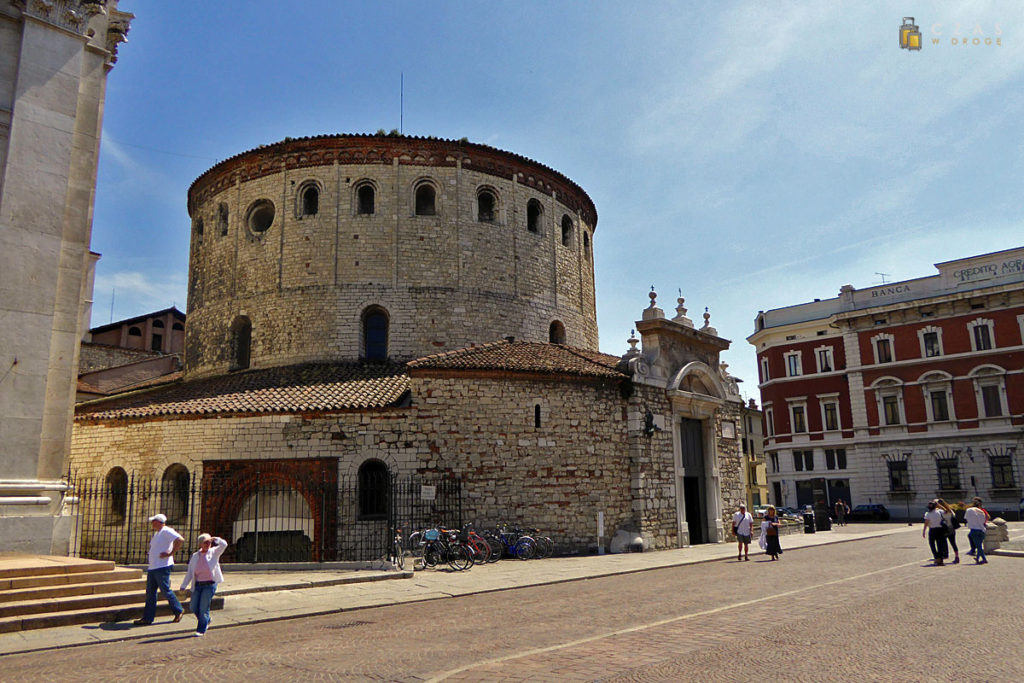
[(458, 558), (433, 554), (545, 547), (525, 548), (480, 548), (497, 548), (398, 553)]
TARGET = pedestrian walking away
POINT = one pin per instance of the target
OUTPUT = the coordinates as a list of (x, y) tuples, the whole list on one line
[(840, 513), (741, 529), (976, 518), (935, 528), (952, 524), (988, 518), (162, 546), (770, 533), (204, 570)]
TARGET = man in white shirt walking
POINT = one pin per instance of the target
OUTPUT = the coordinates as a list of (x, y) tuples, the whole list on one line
[(162, 546), (741, 523)]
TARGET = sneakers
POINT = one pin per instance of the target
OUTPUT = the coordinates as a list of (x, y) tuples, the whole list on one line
[(956, 561), (142, 622), (177, 617), (197, 634), (939, 563)]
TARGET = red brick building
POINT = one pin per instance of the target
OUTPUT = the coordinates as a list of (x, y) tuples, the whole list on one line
[(899, 393)]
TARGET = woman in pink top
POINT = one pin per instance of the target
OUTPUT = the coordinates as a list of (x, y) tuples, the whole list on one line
[(204, 568)]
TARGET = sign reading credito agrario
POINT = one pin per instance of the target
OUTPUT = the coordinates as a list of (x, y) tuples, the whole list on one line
[(987, 271)]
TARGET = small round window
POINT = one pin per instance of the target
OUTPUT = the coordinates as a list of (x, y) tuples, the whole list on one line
[(261, 216)]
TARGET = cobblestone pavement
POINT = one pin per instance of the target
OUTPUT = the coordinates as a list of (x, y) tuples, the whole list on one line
[(871, 610)]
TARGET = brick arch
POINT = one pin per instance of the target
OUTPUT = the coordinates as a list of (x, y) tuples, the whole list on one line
[(228, 484)]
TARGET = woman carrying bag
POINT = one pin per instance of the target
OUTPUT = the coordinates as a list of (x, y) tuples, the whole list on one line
[(952, 524), (770, 533), (204, 568)]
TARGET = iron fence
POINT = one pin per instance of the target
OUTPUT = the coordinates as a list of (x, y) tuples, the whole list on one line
[(268, 519)]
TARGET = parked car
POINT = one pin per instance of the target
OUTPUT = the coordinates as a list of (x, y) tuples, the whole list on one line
[(758, 512), (789, 512), (869, 513)]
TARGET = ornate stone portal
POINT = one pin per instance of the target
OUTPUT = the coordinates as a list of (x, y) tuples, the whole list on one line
[(686, 414)]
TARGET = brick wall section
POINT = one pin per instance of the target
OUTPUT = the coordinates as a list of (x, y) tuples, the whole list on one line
[(447, 281), (235, 481)]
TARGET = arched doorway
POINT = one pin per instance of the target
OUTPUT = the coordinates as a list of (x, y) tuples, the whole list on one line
[(696, 393), (274, 524)]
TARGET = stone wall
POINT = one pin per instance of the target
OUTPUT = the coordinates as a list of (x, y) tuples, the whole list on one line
[(100, 357), (446, 281), (556, 477)]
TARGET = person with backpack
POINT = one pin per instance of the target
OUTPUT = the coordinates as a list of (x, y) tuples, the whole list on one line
[(952, 524)]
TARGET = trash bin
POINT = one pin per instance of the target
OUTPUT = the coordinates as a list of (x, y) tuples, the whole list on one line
[(822, 522), (809, 522)]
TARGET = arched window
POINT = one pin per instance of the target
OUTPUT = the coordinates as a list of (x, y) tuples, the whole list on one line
[(310, 200), (533, 214), (425, 200), (556, 333), (134, 332), (586, 244), (374, 488), (375, 334), (174, 493), (222, 218), (486, 203), (158, 324), (241, 341), (365, 200), (117, 496), (566, 231), (178, 327)]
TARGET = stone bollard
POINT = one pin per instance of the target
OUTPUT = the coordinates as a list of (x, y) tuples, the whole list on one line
[(996, 534)]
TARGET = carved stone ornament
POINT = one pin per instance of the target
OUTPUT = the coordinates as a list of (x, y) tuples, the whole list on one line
[(72, 15), (117, 32)]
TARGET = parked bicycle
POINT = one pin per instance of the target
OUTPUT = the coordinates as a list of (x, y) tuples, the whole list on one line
[(396, 551), (513, 542), (442, 545)]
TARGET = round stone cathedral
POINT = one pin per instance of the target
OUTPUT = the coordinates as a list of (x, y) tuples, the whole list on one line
[(348, 247)]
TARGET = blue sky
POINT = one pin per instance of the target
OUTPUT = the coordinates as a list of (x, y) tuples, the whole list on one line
[(752, 154)]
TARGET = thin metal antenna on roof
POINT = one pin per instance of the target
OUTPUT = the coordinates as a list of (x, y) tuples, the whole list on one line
[(112, 290), (401, 106), (883, 276)]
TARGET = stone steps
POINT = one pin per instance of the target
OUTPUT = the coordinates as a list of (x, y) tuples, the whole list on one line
[(45, 591), (135, 584)]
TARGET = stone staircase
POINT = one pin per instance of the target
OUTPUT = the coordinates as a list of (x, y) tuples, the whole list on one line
[(38, 591)]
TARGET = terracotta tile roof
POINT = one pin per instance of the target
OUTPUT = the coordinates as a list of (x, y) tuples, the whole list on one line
[(551, 359), (297, 388)]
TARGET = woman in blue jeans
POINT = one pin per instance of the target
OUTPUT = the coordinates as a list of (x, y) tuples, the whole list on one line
[(204, 569)]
